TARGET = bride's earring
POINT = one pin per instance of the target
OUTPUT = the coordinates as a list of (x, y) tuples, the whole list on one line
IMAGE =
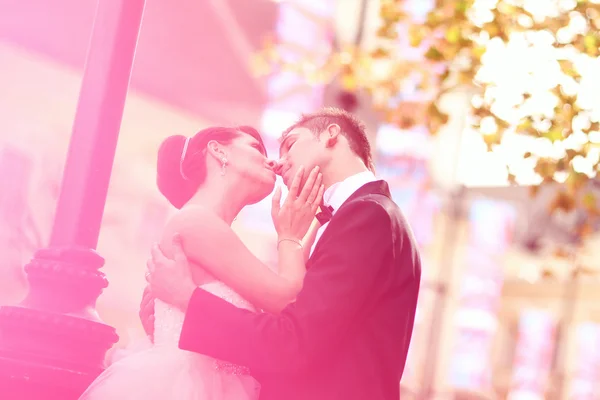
[(223, 166)]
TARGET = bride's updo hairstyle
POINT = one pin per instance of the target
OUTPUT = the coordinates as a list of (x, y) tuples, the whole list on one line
[(181, 168)]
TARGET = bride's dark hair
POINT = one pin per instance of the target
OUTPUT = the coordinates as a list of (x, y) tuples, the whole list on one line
[(180, 175)]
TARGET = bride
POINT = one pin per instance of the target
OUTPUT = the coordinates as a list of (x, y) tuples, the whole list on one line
[(210, 177)]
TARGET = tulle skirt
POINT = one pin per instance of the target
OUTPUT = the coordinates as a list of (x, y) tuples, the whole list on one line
[(165, 372)]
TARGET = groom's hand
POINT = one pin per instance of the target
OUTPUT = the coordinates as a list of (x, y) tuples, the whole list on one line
[(171, 279)]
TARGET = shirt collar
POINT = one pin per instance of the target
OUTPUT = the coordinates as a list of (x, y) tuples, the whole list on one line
[(339, 192)]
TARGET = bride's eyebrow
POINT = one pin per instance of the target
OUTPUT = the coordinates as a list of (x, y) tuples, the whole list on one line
[(261, 147)]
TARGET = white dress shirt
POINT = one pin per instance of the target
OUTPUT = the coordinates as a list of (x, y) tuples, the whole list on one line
[(339, 192)]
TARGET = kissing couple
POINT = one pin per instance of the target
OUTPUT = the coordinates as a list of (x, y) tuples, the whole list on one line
[(333, 322)]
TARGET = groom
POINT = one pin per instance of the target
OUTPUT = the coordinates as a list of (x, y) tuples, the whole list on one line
[(347, 335)]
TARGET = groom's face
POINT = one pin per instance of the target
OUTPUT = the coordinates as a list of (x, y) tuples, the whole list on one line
[(299, 147)]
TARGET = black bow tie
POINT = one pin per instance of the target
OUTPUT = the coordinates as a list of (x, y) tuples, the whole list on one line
[(325, 215)]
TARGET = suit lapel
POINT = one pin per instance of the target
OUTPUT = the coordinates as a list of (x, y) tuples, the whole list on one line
[(377, 187)]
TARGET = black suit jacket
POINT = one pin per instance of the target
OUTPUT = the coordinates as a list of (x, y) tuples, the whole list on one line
[(347, 335)]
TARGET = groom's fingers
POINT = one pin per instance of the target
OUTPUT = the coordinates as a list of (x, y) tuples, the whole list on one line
[(158, 257), (178, 253), (150, 267)]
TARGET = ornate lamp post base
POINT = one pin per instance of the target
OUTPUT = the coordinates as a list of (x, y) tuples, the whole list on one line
[(55, 354)]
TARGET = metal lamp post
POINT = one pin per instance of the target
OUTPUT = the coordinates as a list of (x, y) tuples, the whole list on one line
[(53, 344)]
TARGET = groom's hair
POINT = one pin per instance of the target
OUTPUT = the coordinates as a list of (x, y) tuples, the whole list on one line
[(352, 128)]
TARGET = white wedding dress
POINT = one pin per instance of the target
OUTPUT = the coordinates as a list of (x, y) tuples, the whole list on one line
[(165, 372)]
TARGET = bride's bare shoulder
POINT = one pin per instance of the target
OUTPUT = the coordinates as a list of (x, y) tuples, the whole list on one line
[(195, 223)]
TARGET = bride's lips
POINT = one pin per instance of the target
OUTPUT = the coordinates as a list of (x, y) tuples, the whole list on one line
[(273, 174)]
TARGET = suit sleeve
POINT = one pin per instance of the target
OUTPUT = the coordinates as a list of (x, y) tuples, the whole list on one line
[(336, 286)]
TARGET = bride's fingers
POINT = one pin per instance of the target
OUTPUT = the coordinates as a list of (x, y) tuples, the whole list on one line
[(276, 203), (318, 199), (312, 197), (295, 186), (308, 185)]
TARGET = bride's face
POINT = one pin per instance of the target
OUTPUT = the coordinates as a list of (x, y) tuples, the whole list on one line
[(248, 160)]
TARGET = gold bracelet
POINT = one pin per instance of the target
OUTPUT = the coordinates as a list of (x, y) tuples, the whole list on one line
[(290, 240)]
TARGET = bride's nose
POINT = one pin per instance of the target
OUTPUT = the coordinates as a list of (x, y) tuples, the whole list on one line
[(272, 164)]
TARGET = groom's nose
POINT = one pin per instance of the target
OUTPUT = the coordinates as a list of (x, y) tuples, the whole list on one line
[(276, 166)]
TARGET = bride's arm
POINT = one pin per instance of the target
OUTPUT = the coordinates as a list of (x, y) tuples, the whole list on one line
[(210, 242), (310, 238)]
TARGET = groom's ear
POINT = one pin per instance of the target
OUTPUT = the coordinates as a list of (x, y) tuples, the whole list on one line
[(332, 133)]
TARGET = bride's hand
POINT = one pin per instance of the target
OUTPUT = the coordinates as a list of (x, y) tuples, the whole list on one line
[(293, 219)]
